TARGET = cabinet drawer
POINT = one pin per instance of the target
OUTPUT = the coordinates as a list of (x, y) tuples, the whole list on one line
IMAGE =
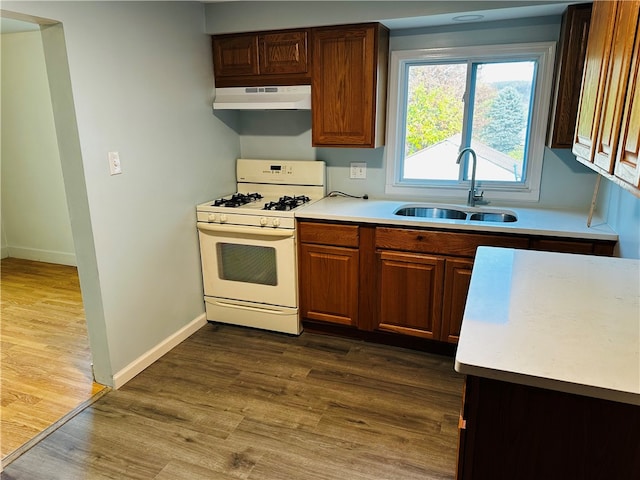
[(564, 246), (444, 243), (329, 234)]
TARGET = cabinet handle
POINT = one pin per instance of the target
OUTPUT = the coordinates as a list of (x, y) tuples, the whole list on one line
[(462, 423)]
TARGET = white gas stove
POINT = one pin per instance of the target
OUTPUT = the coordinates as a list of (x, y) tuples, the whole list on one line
[(248, 243), (268, 192)]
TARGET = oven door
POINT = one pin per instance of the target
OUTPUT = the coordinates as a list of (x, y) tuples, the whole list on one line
[(248, 263)]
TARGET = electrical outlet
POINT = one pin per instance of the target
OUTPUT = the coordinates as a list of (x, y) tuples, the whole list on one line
[(358, 170), (114, 163)]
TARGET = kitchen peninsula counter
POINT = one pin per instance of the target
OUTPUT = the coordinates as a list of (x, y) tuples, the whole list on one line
[(531, 221), (563, 322), (550, 349)]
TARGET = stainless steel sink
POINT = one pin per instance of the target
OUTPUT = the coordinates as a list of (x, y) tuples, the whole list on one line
[(493, 217), (453, 212), (432, 212)]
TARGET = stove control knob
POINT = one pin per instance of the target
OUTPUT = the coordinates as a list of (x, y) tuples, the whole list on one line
[(276, 222), (223, 218), (263, 221), (212, 217)]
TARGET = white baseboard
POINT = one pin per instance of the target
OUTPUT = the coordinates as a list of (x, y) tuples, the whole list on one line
[(4, 252), (49, 256), (146, 359)]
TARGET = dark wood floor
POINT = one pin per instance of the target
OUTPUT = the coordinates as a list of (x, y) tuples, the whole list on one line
[(232, 403)]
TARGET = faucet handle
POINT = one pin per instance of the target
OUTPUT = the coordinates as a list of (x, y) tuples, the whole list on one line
[(478, 198)]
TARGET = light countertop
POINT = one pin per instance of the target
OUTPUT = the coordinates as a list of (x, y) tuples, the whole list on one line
[(559, 321), (558, 223)]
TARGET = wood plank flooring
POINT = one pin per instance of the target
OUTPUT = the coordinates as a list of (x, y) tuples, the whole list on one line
[(236, 403), (45, 358)]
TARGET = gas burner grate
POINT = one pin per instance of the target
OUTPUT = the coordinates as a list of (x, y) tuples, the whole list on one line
[(287, 203), (237, 200)]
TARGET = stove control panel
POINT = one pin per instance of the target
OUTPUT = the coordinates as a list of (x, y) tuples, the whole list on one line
[(291, 172), (265, 221)]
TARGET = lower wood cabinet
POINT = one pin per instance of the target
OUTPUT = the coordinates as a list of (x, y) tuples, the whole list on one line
[(328, 271), (422, 295), (511, 431), (402, 281), (329, 284), (456, 286), (410, 287), (424, 278)]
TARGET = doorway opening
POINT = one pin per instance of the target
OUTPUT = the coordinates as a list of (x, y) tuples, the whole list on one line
[(46, 361)]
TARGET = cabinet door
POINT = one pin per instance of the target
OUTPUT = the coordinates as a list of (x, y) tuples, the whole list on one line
[(345, 85), (410, 293), (329, 284), (283, 52), (235, 55), (457, 278), (616, 85), (627, 165), (573, 46), (593, 81)]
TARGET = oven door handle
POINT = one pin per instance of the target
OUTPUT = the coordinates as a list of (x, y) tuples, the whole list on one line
[(242, 230)]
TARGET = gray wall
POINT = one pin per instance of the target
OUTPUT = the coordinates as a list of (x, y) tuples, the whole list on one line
[(139, 81), (35, 218)]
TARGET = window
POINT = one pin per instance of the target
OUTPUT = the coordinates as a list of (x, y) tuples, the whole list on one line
[(494, 99)]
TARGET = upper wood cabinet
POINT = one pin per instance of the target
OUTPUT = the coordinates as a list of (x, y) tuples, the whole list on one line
[(348, 85), (262, 58), (570, 64), (607, 136)]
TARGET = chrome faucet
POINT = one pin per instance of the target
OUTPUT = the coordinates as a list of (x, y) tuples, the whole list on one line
[(473, 198)]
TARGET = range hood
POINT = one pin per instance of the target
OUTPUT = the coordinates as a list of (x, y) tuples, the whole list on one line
[(297, 97)]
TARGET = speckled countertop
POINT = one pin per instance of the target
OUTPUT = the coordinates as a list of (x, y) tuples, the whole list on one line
[(564, 322), (558, 223)]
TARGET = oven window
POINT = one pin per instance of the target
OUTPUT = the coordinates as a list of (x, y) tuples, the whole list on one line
[(247, 263)]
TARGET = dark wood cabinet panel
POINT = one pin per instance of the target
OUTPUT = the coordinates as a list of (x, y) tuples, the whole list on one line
[(607, 137), (595, 69), (570, 65), (262, 58), (329, 284), (444, 243), (587, 247), (627, 163), (283, 52), (335, 234), (235, 55), (516, 431), (457, 278), (410, 294), (616, 81), (349, 85)]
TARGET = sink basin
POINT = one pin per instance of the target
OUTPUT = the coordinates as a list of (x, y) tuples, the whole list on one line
[(432, 212), (493, 217)]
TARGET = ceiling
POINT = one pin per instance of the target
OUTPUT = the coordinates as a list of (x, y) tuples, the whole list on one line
[(543, 8)]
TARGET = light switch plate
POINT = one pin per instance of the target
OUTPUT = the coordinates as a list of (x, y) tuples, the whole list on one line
[(114, 163), (358, 170)]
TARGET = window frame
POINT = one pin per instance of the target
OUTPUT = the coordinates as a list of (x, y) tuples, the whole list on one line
[(529, 190)]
